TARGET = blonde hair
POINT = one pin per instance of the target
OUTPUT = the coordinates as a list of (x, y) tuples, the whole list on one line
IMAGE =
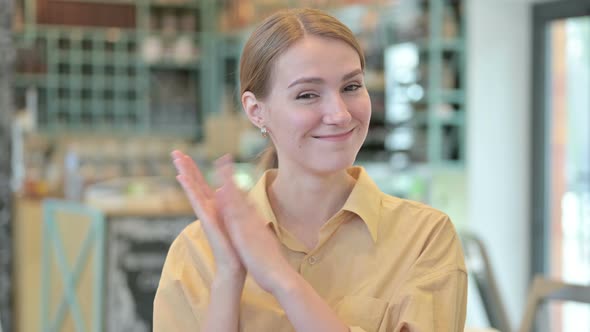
[(273, 37)]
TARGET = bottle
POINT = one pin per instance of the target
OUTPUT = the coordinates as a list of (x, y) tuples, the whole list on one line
[(73, 180)]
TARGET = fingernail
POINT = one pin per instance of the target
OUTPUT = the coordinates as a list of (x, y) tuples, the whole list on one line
[(176, 154)]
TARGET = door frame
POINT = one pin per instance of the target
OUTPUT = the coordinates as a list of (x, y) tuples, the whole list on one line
[(542, 14)]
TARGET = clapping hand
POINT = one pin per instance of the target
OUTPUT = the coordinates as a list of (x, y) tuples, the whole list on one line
[(203, 202), (236, 231)]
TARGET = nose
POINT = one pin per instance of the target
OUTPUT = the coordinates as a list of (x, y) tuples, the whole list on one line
[(337, 112)]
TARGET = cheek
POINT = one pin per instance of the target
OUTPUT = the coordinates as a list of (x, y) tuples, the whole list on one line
[(302, 120), (361, 109), (292, 125)]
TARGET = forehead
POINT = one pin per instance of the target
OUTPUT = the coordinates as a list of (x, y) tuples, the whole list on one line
[(317, 56)]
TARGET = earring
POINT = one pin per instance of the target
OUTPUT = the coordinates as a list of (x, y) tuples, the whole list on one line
[(264, 131)]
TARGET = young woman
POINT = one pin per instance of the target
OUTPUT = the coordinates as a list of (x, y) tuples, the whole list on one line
[(315, 245)]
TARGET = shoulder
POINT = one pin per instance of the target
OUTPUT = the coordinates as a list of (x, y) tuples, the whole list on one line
[(423, 224), (391, 210), (425, 233), (408, 212), (184, 281), (191, 240), (189, 236), (393, 217), (189, 248)]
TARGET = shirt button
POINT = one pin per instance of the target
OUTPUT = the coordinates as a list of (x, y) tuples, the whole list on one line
[(312, 260)]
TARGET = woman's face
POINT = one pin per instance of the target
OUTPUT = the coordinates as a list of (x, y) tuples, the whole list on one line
[(317, 111)]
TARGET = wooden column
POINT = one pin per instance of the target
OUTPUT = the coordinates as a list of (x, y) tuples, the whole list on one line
[(6, 60)]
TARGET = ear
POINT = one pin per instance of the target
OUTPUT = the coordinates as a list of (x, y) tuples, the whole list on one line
[(254, 109)]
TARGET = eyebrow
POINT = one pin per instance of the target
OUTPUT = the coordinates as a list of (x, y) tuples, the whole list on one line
[(318, 80)]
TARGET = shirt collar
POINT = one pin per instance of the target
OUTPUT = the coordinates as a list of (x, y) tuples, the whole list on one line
[(258, 195), (364, 199)]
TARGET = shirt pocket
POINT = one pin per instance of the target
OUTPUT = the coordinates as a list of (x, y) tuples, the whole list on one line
[(362, 311)]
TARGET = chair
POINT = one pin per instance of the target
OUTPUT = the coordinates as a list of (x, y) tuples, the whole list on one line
[(543, 290), (72, 278), (480, 268)]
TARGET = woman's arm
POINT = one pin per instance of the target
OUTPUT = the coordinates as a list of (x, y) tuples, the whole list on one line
[(224, 302), (222, 313), (191, 296), (306, 310)]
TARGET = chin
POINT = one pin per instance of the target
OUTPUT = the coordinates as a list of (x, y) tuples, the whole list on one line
[(330, 164)]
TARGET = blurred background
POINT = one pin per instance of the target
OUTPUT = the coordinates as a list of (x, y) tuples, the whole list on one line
[(481, 108)]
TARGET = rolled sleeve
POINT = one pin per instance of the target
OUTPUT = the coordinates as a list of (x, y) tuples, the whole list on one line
[(435, 304), (172, 312), (434, 297)]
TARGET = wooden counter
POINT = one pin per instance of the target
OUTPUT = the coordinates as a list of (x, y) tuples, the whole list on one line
[(27, 234), (137, 241)]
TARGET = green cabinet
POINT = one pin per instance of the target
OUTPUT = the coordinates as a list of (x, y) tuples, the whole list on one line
[(425, 112), (89, 78), (157, 77), (425, 83)]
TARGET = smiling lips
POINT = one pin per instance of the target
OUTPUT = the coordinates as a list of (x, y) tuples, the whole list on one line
[(336, 137)]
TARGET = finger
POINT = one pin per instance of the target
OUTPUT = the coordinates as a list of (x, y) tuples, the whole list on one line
[(199, 204), (203, 206), (195, 197), (183, 166), (178, 158), (179, 162), (233, 202), (176, 154), (187, 167), (197, 176), (225, 172)]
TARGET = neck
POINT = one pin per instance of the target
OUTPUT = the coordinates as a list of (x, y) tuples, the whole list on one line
[(310, 200)]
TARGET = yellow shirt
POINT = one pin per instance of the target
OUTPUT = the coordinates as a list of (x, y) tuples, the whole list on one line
[(382, 263)]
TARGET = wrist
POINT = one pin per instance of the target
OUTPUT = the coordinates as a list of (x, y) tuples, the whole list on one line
[(226, 275), (287, 284)]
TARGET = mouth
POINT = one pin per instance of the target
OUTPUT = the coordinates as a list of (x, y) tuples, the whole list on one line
[(335, 137)]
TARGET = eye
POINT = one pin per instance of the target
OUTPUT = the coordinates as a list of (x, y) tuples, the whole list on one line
[(307, 95), (352, 87)]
